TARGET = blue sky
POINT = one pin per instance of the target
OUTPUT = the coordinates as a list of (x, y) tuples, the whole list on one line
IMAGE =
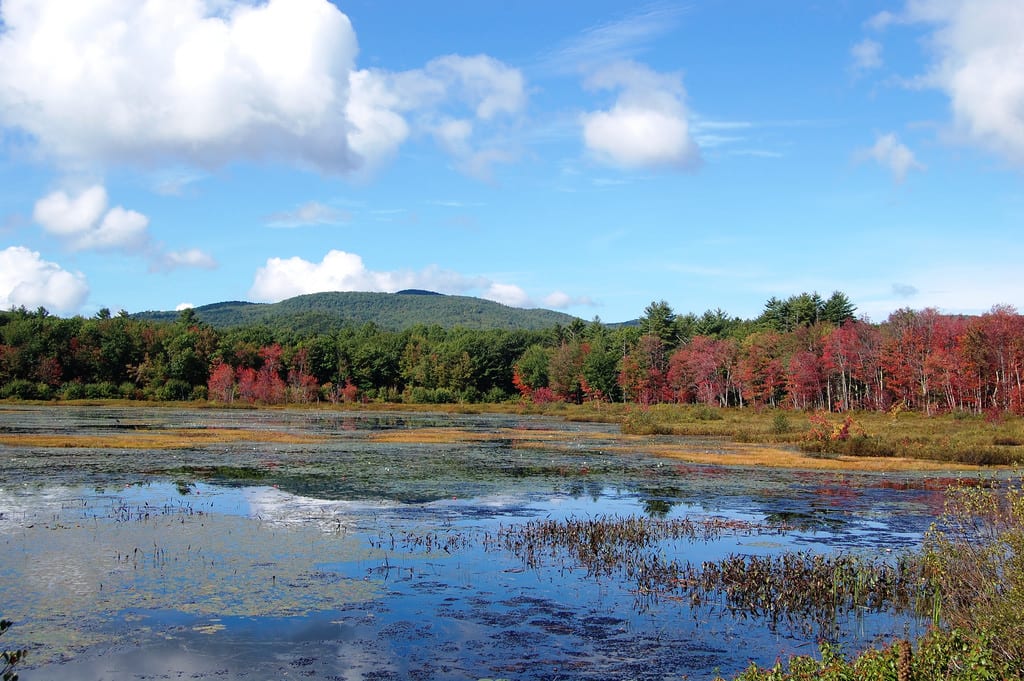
[(584, 156)]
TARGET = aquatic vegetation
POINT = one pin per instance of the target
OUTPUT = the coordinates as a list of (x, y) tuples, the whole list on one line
[(800, 589), (974, 558), (431, 545)]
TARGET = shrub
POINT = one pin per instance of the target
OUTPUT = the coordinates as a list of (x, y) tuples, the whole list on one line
[(780, 424), (100, 391), (72, 391), (950, 655), (974, 557), (25, 390), (705, 413), (642, 422)]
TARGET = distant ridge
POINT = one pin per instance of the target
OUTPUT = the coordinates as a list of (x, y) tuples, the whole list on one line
[(327, 312)]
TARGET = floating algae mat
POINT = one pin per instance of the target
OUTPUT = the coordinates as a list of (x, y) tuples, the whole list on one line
[(322, 544)]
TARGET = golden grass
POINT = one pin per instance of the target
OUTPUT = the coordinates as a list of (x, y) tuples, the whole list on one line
[(179, 438)]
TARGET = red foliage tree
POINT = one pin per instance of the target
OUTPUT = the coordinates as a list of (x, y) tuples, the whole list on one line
[(221, 386)]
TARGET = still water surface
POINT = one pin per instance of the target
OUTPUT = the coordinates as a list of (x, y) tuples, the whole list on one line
[(353, 558)]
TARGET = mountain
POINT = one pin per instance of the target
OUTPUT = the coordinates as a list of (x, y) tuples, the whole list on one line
[(325, 312)]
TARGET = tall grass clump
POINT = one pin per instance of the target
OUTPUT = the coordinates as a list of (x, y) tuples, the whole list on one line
[(974, 558)]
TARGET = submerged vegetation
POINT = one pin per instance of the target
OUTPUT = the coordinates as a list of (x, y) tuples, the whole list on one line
[(972, 569)]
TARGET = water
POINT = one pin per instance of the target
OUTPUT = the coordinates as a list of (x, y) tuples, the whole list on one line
[(362, 555)]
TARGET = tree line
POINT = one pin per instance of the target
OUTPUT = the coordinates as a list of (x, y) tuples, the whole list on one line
[(804, 352)]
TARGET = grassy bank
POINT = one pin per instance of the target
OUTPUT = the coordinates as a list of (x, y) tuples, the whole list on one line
[(757, 436)]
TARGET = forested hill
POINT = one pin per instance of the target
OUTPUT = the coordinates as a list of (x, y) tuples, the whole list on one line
[(326, 312)]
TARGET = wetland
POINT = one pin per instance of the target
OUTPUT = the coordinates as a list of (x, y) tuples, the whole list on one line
[(169, 542)]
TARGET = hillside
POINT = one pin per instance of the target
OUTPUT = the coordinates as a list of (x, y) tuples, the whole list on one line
[(324, 312)]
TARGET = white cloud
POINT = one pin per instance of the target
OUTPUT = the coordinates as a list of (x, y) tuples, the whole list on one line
[(461, 102), (206, 82), (26, 279), (309, 213), (183, 306), (191, 80), (613, 41), (282, 278), (979, 64), (560, 300), (648, 125), (83, 222), (68, 216), (866, 55), (882, 20), (507, 294), (192, 257), (890, 153)]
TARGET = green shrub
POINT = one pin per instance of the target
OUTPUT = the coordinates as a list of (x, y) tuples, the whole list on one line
[(974, 557), (643, 422), (703, 412), (948, 655), (780, 424), (100, 391), (72, 391), (23, 389)]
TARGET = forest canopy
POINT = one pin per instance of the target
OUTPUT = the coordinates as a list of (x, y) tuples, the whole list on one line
[(804, 352)]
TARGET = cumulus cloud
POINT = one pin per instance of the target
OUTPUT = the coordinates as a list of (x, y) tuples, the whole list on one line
[(459, 101), (890, 153), (560, 300), (183, 306), (507, 294), (307, 214), (647, 127), (84, 222), (282, 278), (193, 80), (979, 64), (206, 82), (866, 55), (26, 279)]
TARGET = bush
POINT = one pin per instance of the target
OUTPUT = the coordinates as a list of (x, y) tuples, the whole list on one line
[(950, 655), (22, 389), (780, 424), (705, 413), (642, 422), (72, 391), (974, 558), (495, 396), (173, 390), (100, 391)]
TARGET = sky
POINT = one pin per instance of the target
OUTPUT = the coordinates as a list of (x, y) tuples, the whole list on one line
[(589, 157)]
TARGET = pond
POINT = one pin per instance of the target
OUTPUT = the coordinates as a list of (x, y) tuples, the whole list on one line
[(370, 545)]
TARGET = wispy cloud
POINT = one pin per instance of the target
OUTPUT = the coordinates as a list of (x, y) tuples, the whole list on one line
[(866, 55), (309, 214), (616, 40), (890, 153)]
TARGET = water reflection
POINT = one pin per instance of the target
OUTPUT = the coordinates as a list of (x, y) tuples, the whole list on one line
[(362, 559)]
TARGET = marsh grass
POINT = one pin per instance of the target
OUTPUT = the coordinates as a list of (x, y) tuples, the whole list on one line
[(175, 438), (949, 438)]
